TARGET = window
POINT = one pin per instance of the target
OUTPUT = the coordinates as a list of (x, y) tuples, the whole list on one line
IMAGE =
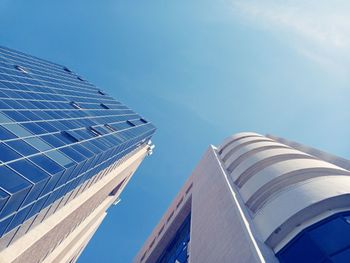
[(7, 154), (34, 174), (82, 150), (75, 105), (143, 120), (34, 128), (18, 130), (11, 181), (53, 133), (101, 92), (130, 123), (67, 70), (37, 206), (69, 136), (29, 170), (5, 119), (15, 115), (104, 106), (325, 241), (101, 129), (60, 158), (115, 190), (4, 224), (38, 143), (46, 163), (109, 127), (22, 147), (52, 140), (73, 154), (20, 68), (19, 218), (176, 251), (5, 134), (94, 131)]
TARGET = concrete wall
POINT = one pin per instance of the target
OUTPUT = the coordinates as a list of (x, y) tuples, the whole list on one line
[(254, 194), (285, 189), (220, 229)]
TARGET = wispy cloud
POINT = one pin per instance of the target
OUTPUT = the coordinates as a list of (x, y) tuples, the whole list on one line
[(319, 29)]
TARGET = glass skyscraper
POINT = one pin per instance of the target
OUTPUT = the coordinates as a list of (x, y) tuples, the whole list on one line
[(66, 147), (257, 199)]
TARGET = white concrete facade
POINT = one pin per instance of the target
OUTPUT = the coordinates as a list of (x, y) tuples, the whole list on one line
[(250, 197)]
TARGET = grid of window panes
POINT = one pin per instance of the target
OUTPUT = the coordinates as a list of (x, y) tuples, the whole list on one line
[(56, 131), (325, 241), (177, 250)]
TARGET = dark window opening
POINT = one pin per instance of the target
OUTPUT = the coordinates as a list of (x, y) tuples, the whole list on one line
[(101, 130), (94, 131), (67, 70), (70, 136), (80, 78), (104, 106), (130, 123), (143, 120), (101, 92), (22, 69), (115, 190), (75, 105), (109, 127)]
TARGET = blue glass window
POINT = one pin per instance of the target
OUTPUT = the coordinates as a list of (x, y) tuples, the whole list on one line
[(19, 217), (22, 147), (37, 118), (70, 136), (38, 144), (14, 184), (176, 251), (60, 158), (3, 198), (325, 241), (5, 134), (4, 224), (7, 154), (46, 164), (15, 115), (34, 174), (104, 106), (34, 128), (37, 206), (18, 130), (53, 140)]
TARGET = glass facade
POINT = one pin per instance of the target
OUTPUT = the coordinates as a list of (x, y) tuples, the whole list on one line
[(57, 131), (325, 242), (176, 251)]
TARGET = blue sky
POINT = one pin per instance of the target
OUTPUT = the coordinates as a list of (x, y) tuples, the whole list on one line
[(200, 70)]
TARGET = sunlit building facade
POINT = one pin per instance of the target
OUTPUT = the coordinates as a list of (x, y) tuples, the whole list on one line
[(67, 150), (257, 198)]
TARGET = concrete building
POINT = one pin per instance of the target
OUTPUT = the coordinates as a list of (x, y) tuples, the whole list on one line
[(67, 150), (257, 199)]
